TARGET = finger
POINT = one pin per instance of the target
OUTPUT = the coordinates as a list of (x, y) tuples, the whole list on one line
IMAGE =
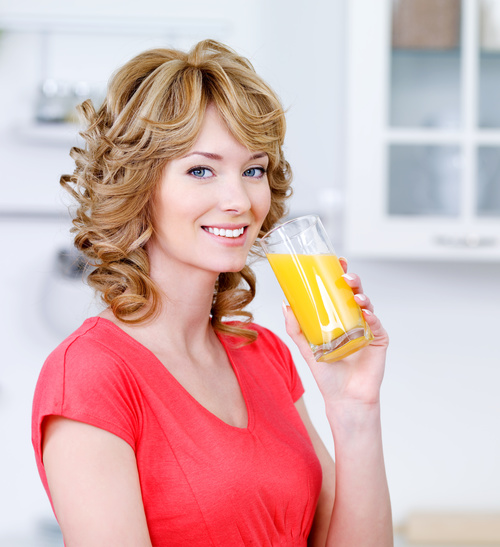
[(343, 263), (292, 325), (295, 332), (376, 327), (354, 282), (363, 301)]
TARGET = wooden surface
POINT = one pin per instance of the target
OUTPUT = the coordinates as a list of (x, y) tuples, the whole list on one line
[(452, 529)]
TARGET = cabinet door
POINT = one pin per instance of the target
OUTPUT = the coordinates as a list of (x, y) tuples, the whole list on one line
[(422, 176), (487, 194)]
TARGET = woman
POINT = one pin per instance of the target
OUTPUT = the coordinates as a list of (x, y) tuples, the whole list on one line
[(158, 423)]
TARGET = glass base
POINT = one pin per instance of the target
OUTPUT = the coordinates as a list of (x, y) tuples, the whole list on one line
[(345, 345)]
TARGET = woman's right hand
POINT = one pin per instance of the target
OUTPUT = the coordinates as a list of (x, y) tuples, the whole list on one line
[(358, 377)]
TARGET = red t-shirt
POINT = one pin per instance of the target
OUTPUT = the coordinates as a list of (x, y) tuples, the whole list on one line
[(203, 481)]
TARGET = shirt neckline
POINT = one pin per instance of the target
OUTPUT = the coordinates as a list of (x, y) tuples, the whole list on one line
[(233, 362)]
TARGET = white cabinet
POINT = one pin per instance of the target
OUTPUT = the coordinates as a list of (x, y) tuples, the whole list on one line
[(48, 64), (423, 137)]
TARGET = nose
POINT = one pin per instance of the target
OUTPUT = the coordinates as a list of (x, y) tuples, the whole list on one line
[(234, 196)]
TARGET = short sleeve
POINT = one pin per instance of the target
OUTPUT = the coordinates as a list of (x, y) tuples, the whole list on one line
[(85, 381), (295, 383), (274, 349)]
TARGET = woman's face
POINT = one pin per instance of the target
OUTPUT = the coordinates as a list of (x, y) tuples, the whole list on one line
[(211, 202)]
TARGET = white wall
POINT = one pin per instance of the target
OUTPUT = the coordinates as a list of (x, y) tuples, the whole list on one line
[(440, 406), (40, 307)]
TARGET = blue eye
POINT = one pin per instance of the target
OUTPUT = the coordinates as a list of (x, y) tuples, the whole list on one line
[(256, 172), (200, 172)]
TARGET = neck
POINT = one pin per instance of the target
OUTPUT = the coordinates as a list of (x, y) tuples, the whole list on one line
[(185, 303), (186, 296)]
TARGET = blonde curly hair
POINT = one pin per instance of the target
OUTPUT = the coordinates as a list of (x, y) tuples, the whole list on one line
[(153, 113)]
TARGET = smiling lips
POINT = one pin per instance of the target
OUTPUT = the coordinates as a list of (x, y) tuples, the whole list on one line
[(225, 232)]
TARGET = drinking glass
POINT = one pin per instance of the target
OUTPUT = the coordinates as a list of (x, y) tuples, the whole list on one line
[(309, 272)]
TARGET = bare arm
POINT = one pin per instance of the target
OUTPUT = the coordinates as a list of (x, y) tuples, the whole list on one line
[(94, 485), (362, 512), (351, 389)]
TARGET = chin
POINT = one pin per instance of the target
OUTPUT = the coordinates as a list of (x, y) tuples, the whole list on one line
[(233, 268)]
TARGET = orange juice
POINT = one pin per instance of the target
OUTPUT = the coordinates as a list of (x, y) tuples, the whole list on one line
[(320, 298)]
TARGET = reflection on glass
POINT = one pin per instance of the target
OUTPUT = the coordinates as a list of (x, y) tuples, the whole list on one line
[(489, 64), (424, 180), (425, 64), (488, 179)]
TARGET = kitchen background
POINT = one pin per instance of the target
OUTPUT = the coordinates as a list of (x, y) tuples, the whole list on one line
[(405, 178)]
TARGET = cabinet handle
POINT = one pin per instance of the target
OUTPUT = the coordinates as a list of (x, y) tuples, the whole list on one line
[(469, 241)]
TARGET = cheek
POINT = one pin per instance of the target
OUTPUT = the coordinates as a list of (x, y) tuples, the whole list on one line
[(168, 213), (173, 201), (264, 202)]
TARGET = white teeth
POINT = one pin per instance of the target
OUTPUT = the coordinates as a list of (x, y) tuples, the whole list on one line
[(225, 233)]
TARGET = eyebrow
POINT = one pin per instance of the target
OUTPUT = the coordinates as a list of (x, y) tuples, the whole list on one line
[(218, 157)]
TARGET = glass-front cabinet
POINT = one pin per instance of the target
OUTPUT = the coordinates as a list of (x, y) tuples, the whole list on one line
[(423, 140)]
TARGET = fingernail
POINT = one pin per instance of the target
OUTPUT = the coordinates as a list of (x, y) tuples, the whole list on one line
[(283, 307), (361, 297), (347, 276), (368, 312)]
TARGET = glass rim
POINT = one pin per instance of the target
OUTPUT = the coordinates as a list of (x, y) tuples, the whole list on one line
[(267, 235)]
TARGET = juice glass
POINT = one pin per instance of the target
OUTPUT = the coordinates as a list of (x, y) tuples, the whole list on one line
[(310, 274)]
